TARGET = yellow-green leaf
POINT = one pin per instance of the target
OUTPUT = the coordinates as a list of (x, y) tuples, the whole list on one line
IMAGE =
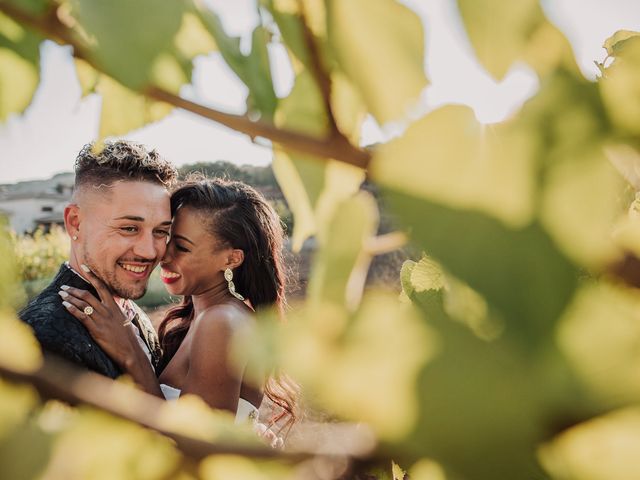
[(580, 207), (449, 157), (599, 334), (380, 46), (123, 44), (124, 110), (603, 448), (503, 31), (620, 86)]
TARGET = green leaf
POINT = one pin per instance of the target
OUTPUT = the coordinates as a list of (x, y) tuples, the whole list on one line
[(581, 206), (36, 7), (94, 444), (16, 404), (375, 353), (511, 269), (449, 157), (620, 86), (19, 67), (28, 437), (380, 46), (193, 38), (301, 180), (217, 467), (312, 186), (123, 110), (253, 69), (340, 266), (599, 334), (616, 42), (613, 437), (122, 44), (502, 32)]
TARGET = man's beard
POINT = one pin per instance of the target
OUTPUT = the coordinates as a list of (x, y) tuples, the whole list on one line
[(116, 287)]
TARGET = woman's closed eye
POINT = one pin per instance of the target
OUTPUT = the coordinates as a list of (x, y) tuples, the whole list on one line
[(181, 248)]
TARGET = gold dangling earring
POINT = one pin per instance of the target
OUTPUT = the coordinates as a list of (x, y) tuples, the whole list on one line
[(228, 276)]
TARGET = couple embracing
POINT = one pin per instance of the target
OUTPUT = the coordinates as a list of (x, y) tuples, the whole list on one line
[(219, 246)]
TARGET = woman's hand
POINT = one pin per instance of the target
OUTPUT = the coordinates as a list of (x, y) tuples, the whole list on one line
[(104, 320)]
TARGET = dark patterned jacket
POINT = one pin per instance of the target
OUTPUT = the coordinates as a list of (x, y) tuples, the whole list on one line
[(62, 334)]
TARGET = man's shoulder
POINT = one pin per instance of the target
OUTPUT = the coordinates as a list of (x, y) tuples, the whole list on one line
[(61, 333), (50, 321)]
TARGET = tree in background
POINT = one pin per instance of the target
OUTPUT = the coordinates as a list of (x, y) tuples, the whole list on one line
[(512, 350)]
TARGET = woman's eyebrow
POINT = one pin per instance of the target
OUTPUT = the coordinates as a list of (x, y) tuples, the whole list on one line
[(183, 238)]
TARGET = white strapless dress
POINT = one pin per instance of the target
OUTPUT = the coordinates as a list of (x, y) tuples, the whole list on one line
[(246, 411)]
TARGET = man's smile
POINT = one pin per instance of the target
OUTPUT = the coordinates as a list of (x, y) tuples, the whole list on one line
[(135, 269)]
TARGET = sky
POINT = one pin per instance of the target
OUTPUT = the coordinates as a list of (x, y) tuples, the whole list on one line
[(46, 138)]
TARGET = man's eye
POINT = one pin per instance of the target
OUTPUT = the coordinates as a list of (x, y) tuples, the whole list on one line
[(162, 233), (129, 229)]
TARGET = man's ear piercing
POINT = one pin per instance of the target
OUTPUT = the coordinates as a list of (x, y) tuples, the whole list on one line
[(75, 237)]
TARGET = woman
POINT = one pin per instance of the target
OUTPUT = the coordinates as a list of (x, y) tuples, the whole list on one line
[(225, 258)]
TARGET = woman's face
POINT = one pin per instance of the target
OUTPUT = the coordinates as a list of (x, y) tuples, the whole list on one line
[(194, 262)]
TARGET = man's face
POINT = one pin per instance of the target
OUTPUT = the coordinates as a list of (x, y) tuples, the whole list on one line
[(123, 232)]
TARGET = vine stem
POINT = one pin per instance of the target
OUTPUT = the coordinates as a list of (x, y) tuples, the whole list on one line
[(60, 380)]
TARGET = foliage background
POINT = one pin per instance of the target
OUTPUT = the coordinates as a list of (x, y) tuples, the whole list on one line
[(511, 352)]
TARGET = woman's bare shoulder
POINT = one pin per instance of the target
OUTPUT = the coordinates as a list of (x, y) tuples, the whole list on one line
[(223, 318)]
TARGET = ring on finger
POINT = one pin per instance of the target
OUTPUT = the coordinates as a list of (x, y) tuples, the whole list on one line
[(88, 310)]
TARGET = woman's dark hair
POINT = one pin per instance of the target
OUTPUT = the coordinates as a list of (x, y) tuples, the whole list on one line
[(238, 217)]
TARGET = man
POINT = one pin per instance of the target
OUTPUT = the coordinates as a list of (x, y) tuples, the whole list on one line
[(119, 222)]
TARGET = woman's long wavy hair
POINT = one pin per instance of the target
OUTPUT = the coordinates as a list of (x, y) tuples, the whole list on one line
[(238, 217)]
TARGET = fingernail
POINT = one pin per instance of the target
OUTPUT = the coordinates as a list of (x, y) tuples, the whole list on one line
[(64, 287), (63, 294), (66, 304), (85, 268)]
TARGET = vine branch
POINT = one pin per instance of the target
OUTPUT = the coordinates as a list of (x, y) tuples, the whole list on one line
[(60, 380)]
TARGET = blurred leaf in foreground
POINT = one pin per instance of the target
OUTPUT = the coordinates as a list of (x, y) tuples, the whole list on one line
[(124, 46), (449, 157), (620, 85), (599, 334), (603, 448), (380, 46), (97, 445), (19, 67), (123, 110)]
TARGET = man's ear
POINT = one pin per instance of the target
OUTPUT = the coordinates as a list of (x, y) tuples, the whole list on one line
[(72, 220), (235, 258)]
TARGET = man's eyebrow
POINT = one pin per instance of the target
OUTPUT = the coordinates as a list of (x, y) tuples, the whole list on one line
[(183, 238), (135, 218)]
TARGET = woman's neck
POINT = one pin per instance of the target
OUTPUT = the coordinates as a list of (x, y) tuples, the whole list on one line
[(215, 295)]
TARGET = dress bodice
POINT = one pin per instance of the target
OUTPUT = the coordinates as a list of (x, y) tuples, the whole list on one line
[(246, 410)]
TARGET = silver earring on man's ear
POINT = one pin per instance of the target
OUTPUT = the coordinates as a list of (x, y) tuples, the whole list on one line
[(228, 276), (74, 238)]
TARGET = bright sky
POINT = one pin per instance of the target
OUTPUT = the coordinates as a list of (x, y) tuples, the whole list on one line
[(46, 139)]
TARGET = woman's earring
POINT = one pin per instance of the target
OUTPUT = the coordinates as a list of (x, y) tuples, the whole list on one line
[(228, 276)]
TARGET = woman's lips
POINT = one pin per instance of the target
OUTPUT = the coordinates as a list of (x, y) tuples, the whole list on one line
[(169, 277)]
